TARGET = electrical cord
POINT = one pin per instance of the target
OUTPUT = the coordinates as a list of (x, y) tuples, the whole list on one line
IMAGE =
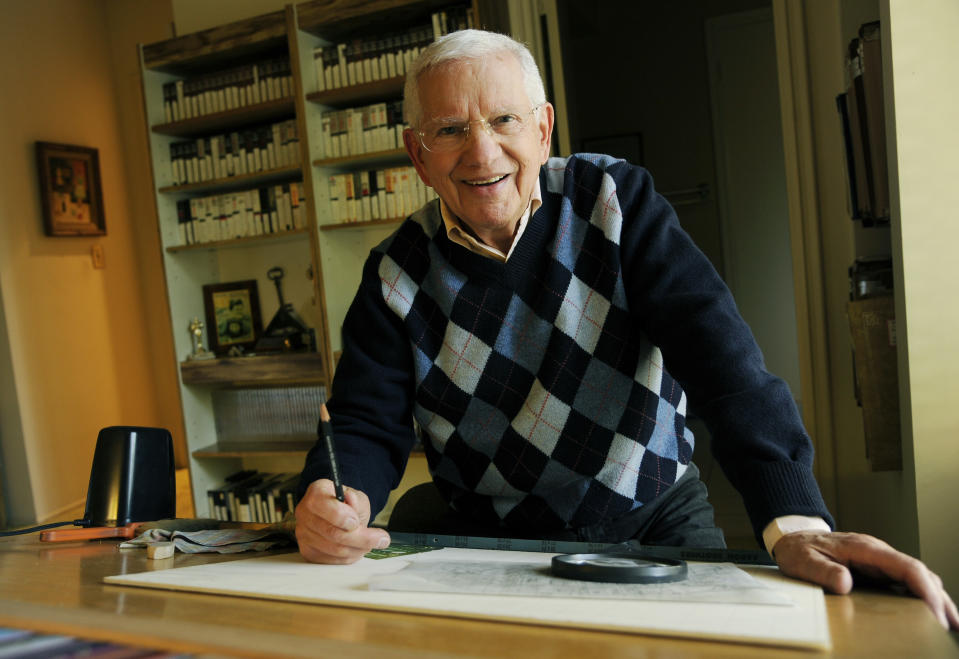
[(43, 527)]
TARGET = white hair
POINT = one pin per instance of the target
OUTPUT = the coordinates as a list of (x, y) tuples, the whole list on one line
[(469, 45)]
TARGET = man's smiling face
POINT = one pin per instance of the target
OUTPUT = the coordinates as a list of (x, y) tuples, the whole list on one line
[(488, 182)]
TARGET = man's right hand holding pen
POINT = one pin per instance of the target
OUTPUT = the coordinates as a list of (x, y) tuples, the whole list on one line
[(330, 531), (332, 520)]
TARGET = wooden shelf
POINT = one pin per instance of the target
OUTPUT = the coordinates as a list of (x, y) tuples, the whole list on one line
[(278, 370), (257, 448), (249, 241), (360, 225), (216, 448), (238, 181), (218, 46), (344, 97), (220, 122), (364, 160), (338, 19)]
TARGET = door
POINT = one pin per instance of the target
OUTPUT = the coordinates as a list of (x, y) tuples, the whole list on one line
[(753, 214)]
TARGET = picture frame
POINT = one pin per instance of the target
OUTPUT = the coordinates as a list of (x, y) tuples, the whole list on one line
[(232, 315), (70, 190)]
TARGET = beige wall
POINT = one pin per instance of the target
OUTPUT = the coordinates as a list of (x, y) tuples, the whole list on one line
[(192, 16), (913, 508), (924, 170), (74, 356), (880, 503)]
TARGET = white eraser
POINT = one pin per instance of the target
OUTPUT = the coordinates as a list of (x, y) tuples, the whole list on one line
[(158, 550)]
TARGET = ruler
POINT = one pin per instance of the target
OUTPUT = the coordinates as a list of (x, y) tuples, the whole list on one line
[(706, 555)]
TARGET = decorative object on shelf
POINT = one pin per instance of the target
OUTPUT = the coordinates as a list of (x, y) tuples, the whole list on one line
[(196, 332), (286, 331), (232, 314), (70, 190)]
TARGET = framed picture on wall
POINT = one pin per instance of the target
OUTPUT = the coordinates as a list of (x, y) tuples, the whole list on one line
[(70, 190), (232, 315)]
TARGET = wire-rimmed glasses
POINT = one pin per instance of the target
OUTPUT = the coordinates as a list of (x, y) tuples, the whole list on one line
[(445, 135)]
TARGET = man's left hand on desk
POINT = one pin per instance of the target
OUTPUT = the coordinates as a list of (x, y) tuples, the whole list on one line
[(827, 558)]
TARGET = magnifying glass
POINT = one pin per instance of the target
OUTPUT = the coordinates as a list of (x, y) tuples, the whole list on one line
[(619, 567)]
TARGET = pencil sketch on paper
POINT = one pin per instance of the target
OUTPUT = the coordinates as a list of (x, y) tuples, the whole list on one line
[(706, 582)]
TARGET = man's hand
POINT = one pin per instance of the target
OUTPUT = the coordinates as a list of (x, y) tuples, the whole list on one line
[(827, 558), (330, 531)]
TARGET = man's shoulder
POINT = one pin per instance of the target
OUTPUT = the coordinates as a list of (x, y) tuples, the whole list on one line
[(587, 171), (421, 226)]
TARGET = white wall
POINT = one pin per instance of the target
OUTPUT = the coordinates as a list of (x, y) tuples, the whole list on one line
[(73, 355)]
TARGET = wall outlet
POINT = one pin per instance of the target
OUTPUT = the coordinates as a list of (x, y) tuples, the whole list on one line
[(96, 255)]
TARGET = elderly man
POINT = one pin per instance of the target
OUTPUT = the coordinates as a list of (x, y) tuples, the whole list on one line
[(544, 322)]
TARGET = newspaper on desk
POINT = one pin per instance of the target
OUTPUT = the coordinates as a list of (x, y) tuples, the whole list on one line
[(706, 582)]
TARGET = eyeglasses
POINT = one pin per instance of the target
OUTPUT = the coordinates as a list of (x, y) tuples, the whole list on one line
[(445, 135)]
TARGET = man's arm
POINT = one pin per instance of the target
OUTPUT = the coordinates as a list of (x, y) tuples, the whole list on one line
[(758, 435), (371, 410), (683, 306)]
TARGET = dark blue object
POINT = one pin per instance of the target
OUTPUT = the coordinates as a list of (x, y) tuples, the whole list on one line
[(132, 478)]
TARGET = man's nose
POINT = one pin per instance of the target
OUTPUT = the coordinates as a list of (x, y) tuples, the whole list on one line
[(477, 124), (480, 136)]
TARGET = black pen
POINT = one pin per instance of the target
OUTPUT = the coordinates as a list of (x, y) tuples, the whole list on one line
[(331, 451)]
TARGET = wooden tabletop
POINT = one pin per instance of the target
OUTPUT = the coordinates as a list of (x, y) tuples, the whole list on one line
[(58, 588)]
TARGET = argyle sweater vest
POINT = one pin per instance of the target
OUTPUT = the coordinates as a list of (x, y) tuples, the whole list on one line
[(541, 384), (541, 402)]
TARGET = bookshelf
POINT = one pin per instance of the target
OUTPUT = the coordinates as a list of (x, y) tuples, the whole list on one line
[(235, 123)]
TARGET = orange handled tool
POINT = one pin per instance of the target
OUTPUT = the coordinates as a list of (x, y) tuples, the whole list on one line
[(92, 533)]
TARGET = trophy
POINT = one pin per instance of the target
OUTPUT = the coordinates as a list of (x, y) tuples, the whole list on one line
[(199, 352)]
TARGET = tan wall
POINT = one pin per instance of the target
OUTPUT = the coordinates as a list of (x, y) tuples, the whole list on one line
[(73, 352), (192, 16), (912, 508), (924, 170), (880, 503)]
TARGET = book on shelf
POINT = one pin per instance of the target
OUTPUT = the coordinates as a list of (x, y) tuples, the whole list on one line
[(382, 194), (229, 89), (861, 110), (254, 496), (383, 56), (216, 496), (870, 52), (241, 214), (361, 130), (221, 156)]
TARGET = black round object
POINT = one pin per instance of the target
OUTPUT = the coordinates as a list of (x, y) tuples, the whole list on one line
[(618, 568)]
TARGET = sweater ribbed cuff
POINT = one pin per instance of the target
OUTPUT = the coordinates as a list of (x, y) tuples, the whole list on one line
[(776, 489)]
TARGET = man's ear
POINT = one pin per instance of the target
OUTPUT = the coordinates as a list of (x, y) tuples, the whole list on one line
[(545, 126), (415, 151)]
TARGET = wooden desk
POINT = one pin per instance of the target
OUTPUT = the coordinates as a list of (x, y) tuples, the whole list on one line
[(58, 588)]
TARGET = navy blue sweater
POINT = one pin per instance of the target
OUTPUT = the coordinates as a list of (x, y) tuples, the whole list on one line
[(551, 390)]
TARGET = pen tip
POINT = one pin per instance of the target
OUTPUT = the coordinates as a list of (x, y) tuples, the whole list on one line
[(324, 414)]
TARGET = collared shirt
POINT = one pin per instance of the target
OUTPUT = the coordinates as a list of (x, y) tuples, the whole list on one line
[(461, 235)]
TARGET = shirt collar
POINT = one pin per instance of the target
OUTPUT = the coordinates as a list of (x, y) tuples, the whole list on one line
[(458, 234)]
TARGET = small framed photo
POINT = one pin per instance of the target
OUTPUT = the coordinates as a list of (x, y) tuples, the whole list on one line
[(70, 190), (232, 315)]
